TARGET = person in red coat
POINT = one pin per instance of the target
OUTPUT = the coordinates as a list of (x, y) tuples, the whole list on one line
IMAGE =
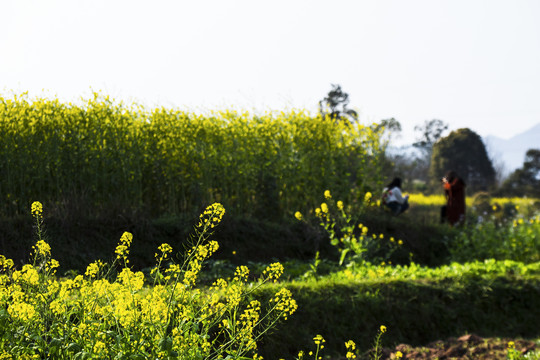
[(454, 189)]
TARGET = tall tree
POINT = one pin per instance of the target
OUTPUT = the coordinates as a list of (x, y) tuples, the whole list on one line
[(524, 181), (335, 105), (430, 132), (464, 152)]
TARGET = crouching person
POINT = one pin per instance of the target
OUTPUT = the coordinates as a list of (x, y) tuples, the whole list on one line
[(394, 199)]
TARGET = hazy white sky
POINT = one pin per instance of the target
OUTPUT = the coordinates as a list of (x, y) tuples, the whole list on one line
[(470, 63)]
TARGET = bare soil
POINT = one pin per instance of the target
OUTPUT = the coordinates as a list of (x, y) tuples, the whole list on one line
[(463, 348)]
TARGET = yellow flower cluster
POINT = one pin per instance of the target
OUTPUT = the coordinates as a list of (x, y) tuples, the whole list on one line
[(327, 194), (273, 271), (367, 197), (351, 347), (318, 340), (131, 280), (27, 275), (250, 317), (211, 216), (165, 249), (100, 315), (284, 303), (51, 266), (42, 249), (241, 273), (324, 208), (37, 209), (21, 311), (122, 250), (197, 255), (5, 263), (93, 269)]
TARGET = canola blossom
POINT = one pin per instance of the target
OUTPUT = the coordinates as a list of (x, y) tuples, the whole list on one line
[(350, 237), (169, 161), (113, 311)]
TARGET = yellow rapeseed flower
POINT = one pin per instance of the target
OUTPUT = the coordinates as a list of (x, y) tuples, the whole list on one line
[(165, 249), (273, 271), (298, 215), (367, 197), (324, 208), (211, 216), (318, 339), (340, 205), (383, 329), (399, 355), (52, 265), (21, 311), (42, 248), (122, 250), (93, 269), (6, 263), (285, 304), (241, 273), (37, 209), (327, 194)]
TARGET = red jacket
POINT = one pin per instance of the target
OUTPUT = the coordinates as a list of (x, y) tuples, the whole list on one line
[(455, 201)]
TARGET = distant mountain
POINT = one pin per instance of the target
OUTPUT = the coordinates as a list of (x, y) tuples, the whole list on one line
[(512, 151)]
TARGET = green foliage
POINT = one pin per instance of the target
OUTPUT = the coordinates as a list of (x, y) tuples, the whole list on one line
[(526, 180), (513, 240), (351, 238), (464, 152), (103, 157), (418, 304)]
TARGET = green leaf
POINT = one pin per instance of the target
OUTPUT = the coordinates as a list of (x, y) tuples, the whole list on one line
[(82, 355), (137, 357), (165, 344), (54, 345), (343, 254), (74, 347)]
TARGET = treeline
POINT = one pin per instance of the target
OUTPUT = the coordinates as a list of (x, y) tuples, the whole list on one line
[(100, 157)]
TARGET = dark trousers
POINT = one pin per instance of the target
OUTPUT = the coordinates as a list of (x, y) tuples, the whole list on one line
[(398, 208), (443, 214)]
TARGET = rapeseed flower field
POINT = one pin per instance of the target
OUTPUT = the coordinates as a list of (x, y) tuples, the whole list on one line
[(120, 157), (113, 312)]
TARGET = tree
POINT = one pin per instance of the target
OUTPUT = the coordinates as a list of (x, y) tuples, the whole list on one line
[(464, 152), (430, 132), (335, 105), (524, 181), (389, 126)]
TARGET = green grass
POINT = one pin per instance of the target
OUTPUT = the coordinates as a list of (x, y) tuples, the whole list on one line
[(432, 298), (418, 305)]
